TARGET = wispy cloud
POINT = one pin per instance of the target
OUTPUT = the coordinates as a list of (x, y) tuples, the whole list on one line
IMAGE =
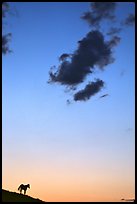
[(5, 37), (100, 11), (130, 20)]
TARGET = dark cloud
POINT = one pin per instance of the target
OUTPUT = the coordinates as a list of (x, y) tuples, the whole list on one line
[(5, 46), (122, 73), (5, 9), (130, 20), (114, 31), (91, 89), (5, 37), (100, 11), (114, 41), (92, 51)]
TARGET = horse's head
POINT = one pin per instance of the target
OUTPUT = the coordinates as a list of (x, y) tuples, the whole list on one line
[(28, 185)]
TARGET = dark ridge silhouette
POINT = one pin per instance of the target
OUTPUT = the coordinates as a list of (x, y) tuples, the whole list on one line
[(8, 196), (130, 200)]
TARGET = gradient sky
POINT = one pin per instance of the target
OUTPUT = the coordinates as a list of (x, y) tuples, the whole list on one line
[(84, 151)]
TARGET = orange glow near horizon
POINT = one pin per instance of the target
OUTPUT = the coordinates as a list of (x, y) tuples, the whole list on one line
[(70, 184)]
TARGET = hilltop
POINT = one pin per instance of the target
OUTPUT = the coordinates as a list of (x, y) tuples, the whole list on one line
[(8, 196)]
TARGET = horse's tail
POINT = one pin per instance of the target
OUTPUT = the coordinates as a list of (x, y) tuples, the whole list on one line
[(19, 188)]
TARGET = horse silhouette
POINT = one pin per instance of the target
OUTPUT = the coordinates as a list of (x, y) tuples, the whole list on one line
[(23, 187)]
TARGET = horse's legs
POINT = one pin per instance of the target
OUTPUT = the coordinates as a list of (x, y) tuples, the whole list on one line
[(24, 192), (20, 190)]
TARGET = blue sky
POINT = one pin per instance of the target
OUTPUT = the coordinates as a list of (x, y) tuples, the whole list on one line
[(38, 125)]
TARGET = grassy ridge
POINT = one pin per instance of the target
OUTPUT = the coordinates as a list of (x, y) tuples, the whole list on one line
[(8, 196)]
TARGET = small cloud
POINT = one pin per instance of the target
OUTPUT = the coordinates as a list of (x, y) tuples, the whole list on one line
[(129, 129), (5, 9), (68, 102), (90, 89), (5, 43), (104, 95), (122, 73), (130, 20), (114, 31), (114, 41), (100, 11)]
